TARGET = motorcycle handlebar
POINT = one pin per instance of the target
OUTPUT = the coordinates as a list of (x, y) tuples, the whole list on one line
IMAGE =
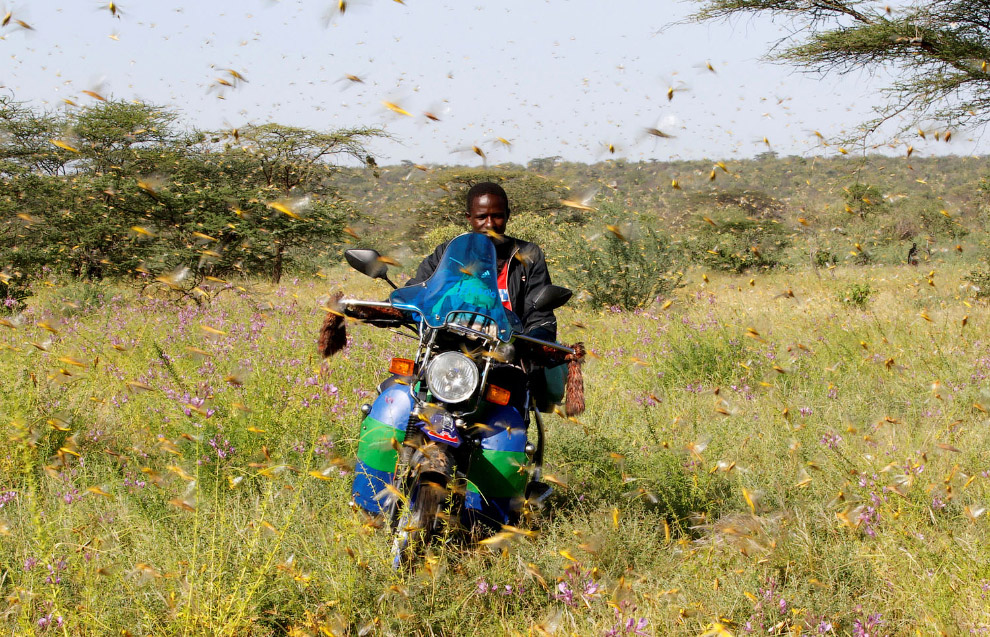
[(383, 312)]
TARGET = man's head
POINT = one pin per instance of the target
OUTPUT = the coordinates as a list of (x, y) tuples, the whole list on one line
[(487, 208)]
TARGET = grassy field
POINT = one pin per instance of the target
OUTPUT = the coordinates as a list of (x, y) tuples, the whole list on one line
[(800, 452)]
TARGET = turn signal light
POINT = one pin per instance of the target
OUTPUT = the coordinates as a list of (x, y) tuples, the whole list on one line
[(401, 367), (497, 395)]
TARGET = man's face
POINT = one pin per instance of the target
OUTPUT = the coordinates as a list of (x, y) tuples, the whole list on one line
[(488, 214)]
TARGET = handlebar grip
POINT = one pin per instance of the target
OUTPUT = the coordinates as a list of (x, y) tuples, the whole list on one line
[(375, 314), (553, 355)]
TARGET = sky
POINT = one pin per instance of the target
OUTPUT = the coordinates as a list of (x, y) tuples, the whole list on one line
[(517, 79)]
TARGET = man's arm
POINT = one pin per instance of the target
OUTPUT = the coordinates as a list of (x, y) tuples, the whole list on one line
[(537, 324)]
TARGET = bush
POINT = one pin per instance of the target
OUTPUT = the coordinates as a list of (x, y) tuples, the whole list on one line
[(737, 243), (863, 199), (938, 224), (13, 295), (980, 280), (554, 237), (911, 217), (825, 258), (79, 297), (856, 294), (628, 272), (440, 234), (753, 203)]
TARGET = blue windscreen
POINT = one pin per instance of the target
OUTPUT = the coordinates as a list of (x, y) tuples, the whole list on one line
[(465, 281)]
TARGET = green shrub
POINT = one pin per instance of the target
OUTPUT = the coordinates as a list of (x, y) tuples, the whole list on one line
[(442, 233), (824, 258), (736, 243), (78, 296), (936, 223), (628, 272), (554, 237), (863, 199), (862, 256), (911, 217), (753, 203), (13, 295), (980, 279), (856, 294)]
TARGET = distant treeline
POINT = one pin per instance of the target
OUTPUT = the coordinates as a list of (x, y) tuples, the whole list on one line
[(121, 189)]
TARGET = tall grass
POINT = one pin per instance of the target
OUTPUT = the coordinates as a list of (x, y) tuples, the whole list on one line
[(754, 458)]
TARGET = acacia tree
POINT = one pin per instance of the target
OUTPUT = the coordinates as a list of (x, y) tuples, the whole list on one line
[(122, 138), (117, 188), (295, 167), (938, 50), (26, 140)]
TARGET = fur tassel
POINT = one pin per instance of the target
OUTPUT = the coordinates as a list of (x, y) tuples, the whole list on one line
[(333, 333), (574, 389)]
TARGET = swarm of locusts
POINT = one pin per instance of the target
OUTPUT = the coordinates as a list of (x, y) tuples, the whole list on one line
[(798, 450)]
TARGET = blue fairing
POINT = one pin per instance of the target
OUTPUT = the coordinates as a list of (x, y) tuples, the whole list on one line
[(393, 405), (507, 430), (490, 512), (368, 483), (465, 281)]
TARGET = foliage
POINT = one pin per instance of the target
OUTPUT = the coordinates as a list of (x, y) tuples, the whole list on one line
[(736, 243), (13, 294), (528, 193), (863, 200), (856, 294), (912, 216), (25, 140), (443, 233), (936, 50), (622, 269), (824, 258), (293, 158), (754, 203), (123, 194), (122, 138), (979, 279)]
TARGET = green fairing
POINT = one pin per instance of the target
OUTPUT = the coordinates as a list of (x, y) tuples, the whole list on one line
[(375, 446), (497, 474)]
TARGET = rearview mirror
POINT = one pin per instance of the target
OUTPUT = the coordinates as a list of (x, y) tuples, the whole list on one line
[(551, 297), (367, 262)]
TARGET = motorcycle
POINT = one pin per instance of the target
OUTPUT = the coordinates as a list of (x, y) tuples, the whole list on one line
[(445, 445)]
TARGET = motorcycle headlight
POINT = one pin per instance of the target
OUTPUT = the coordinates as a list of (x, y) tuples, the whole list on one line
[(452, 377)]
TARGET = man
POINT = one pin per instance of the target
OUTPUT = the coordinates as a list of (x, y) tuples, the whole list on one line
[(521, 265)]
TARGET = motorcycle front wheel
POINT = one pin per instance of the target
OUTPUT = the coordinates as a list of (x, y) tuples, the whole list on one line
[(417, 521)]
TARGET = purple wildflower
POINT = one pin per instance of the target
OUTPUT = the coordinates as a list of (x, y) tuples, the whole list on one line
[(7, 496), (566, 595), (867, 627), (831, 440)]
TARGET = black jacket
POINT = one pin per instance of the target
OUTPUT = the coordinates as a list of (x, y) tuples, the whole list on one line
[(528, 274)]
